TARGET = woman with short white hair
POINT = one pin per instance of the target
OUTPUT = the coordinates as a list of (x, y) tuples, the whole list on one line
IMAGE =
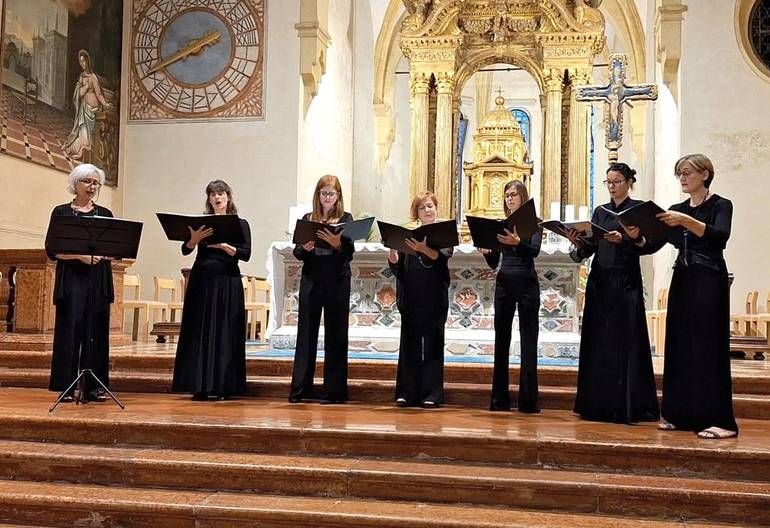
[(79, 306)]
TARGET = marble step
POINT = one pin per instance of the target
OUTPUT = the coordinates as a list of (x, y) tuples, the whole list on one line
[(430, 482), (755, 406), (553, 439), (67, 505), (357, 369)]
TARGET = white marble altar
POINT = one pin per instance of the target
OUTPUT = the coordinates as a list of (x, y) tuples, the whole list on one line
[(375, 320)]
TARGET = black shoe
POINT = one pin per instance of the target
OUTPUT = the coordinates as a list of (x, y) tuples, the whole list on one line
[(295, 399), (529, 411), (401, 402), (430, 404), (223, 397), (200, 396), (332, 401), (68, 399), (95, 396), (499, 408)]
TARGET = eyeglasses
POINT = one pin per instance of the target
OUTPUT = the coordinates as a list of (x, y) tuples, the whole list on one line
[(328, 194), (613, 183), (89, 183), (683, 174), (511, 194)]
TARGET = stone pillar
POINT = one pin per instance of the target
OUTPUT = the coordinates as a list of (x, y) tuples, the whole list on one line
[(443, 175), (579, 123), (418, 102), (551, 178)]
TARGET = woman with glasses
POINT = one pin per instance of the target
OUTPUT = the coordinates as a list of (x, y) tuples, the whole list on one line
[(422, 285), (324, 287), (83, 292), (697, 384), (516, 285), (616, 382), (211, 352)]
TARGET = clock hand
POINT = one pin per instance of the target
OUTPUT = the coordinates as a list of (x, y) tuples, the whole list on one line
[(194, 47)]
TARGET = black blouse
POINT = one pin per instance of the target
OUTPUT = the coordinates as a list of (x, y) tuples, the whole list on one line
[(216, 261), (422, 284), (611, 257), (321, 260), (521, 257), (69, 273)]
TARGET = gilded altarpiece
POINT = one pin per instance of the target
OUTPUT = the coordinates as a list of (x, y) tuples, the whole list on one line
[(446, 41)]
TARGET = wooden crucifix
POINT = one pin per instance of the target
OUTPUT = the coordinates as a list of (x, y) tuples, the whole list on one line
[(615, 95)]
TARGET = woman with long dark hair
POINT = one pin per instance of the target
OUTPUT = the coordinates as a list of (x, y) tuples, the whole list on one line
[(516, 286), (324, 287), (211, 353), (616, 382)]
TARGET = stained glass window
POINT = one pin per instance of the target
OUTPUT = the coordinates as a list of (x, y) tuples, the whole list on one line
[(524, 123), (759, 30)]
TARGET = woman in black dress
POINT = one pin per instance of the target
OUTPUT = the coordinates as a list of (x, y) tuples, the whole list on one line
[(422, 286), (82, 294), (516, 285), (324, 286), (616, 382), (697, 385), (211, 353)]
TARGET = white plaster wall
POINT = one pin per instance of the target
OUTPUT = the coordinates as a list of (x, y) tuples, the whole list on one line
[(725, 114), (30, 192), (326, 133), (167, 166)]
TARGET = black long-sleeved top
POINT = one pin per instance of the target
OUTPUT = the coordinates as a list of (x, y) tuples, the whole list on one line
[(323, 259), (216, 261), (422, 285), (611, 257), (70, 273), (521, 257)]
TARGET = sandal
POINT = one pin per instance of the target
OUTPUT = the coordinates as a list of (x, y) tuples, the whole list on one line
[(666, 426), (717, 433)]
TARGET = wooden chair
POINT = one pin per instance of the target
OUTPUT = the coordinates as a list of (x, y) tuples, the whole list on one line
[(166, 287), (760, 322), (261, 298), (252, 311), (656, 321), (133, 284), (26, 101), (741, 324)]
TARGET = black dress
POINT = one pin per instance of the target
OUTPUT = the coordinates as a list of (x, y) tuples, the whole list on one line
[(324, 286), (616, 382), (697, 385), (516, 285), (422, 287), (79, 306), (211, 353)]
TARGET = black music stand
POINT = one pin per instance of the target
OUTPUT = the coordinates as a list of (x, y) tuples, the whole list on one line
[(91, 235)]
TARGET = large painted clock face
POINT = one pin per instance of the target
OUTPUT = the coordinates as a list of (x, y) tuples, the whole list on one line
[(195, 58)]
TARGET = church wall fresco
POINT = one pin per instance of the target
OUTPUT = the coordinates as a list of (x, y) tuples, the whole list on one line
[(61, 64)]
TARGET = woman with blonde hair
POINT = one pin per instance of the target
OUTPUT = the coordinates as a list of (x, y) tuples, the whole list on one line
[(324, 287), (422, 286), (697, 384)]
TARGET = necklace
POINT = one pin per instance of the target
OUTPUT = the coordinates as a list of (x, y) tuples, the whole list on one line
[(697, 209)]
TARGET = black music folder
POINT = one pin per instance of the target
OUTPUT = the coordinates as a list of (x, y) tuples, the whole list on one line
[(227, 228), (306, 230), (439, 235), (484, 231), (587, 231), (643, 217), (104, 236)]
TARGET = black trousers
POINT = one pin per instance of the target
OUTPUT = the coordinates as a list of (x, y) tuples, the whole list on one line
[(330, 294), (420, 374), (516, 288), (74, 314)]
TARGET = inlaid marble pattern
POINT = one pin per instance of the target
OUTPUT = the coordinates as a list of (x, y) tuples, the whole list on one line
[(375, 320)]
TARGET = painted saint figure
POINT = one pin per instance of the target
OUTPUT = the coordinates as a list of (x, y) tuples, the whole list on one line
[(87, 99)]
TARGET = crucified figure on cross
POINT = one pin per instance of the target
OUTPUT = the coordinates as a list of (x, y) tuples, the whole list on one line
[(615, 95)]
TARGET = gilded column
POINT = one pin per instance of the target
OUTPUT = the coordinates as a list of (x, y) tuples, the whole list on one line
[(579, 123), (418, 168), (443, 175), (550, 188)]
